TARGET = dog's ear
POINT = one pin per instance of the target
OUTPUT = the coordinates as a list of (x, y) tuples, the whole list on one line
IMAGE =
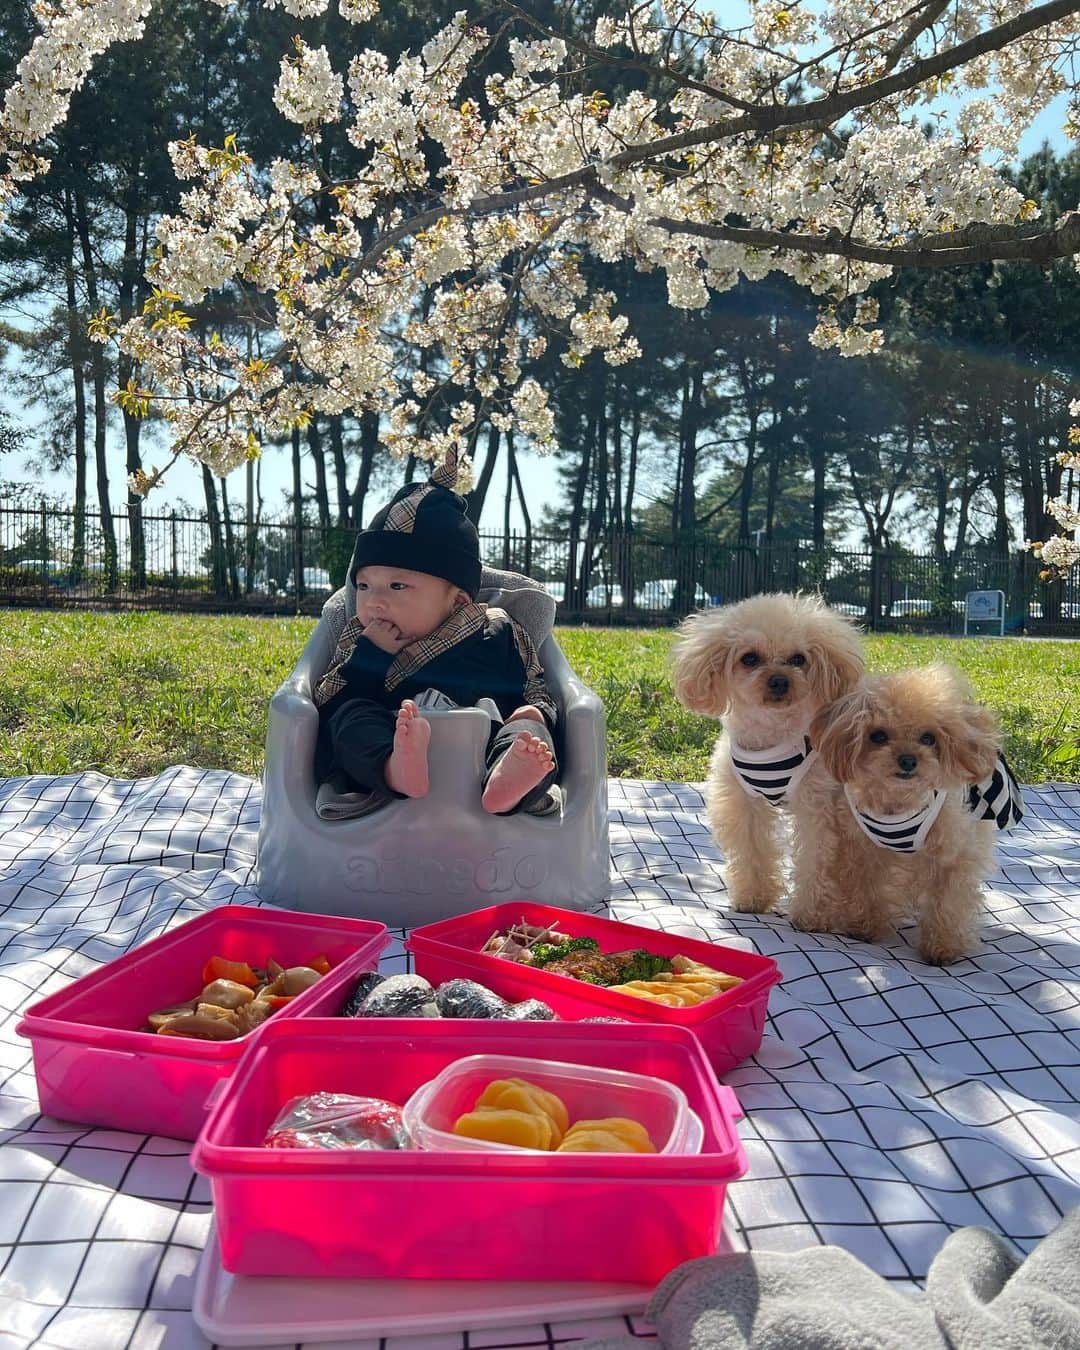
[(839, 730), (836, 658), (967, 742), (701, 662)]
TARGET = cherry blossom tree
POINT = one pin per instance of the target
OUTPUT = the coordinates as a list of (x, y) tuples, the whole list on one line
[(795, 143)]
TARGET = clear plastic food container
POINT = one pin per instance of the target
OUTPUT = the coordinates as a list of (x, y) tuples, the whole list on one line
[(588, 1092)]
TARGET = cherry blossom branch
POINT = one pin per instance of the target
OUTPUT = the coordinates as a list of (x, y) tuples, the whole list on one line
[(605, 58), (973, 244), (772, 117)]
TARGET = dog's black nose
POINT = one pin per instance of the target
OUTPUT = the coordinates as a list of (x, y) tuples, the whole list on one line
[(778, 684), (907, 762)]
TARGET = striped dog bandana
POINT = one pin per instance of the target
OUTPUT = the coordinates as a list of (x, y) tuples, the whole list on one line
[(774, 773), (997, 798)]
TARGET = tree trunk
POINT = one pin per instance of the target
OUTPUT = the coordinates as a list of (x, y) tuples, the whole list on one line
[(252, 516), (341, 472), (97, 375), (131, 268), (627, 578), (631, 473), (232, 570), (686, 542), (617, 455), (76, 355), (746, 486), (574, 590), (1030, 470), (507, 498), (479, 493), (369, 444), (941, 505), (817, 466), (772, 485), (217, 544), (598, 516), (512, 455), (999, 486), (322, 495), (298, 519)]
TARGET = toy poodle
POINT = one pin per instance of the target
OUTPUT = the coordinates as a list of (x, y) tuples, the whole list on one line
[(923, 787), (765, 666)]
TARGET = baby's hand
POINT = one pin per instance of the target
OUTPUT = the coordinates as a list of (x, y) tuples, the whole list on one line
[(385, 635)]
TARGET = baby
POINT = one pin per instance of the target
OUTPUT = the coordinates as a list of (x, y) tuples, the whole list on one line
[(419, 628)]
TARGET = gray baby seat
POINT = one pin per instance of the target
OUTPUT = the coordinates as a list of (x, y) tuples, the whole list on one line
[(417, 860)]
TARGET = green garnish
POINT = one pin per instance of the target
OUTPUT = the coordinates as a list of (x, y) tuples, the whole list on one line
[(642, 965), (545, 952)]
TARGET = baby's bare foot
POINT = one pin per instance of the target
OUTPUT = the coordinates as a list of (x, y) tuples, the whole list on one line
[(527, 761), (406, 769)]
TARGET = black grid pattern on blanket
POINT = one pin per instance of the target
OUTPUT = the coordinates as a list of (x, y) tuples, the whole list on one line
[(890, 1102)]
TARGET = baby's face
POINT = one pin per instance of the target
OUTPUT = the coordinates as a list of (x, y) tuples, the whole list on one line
[(414, 602)]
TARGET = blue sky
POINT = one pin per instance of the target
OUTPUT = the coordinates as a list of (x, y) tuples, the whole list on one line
[(185, 481)]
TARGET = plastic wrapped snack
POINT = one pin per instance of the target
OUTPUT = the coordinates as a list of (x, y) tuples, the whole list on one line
[(338, 1121)]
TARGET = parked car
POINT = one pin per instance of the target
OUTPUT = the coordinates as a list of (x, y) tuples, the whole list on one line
[(851, 610), (557, 590), (604, 597), (1068, 610), (260, 582), (660, 594), (42, 569), (905, 609), (316, 582)]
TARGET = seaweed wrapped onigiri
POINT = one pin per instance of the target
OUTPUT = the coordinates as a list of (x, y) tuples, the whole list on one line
[(400, 996), (531, 1010), (466, 998), (360, 990)]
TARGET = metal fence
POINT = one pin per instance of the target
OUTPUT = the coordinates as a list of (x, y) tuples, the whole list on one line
[(50, 556)]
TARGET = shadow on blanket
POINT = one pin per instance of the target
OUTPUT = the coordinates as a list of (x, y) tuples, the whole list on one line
[(980, 1295)]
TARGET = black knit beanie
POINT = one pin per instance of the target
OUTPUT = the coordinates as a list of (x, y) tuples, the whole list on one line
[(424, 528)]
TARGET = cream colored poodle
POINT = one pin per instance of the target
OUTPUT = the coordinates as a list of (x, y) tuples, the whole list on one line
[(909, 830), (766, 666)]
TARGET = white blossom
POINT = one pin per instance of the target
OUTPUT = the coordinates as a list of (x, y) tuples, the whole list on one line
[(1066, 514), (358, 11), (299, 9), (308, 91), (606, 33), (563, 170), (1058, 552)]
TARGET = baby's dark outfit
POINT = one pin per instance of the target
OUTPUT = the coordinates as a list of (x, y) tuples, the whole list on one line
[(478, 653)]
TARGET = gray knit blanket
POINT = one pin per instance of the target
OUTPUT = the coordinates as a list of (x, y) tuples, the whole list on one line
[(980, 1295)]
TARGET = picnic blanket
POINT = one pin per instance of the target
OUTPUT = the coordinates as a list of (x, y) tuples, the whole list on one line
[(890, 1103)]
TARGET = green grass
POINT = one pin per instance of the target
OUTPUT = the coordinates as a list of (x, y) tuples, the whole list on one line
[(129, 694)]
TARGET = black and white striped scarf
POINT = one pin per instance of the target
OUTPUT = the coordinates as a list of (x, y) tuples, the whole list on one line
[(997, 798), (774, 773)]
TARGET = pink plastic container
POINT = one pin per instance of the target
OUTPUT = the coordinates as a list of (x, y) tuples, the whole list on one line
[(466, 1215), (94, 1064), (729, 1026)]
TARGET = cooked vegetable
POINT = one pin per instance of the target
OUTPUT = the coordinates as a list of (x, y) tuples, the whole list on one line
[(220, 968), (643, 965), (545, 952), (237, 995)]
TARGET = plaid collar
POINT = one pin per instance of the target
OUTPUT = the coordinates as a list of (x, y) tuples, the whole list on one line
[(463, 623)]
